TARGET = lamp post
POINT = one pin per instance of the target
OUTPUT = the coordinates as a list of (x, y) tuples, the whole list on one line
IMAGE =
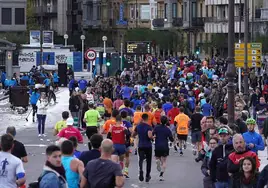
[(83, 39), (41, 32), (66, 39), (104, 39), (246, 52), (230, 74)]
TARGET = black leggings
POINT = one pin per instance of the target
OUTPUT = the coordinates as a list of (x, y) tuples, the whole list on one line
[(34, 109), (145, 153)]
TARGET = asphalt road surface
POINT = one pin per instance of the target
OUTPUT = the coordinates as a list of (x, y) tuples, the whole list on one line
[(182, 172)]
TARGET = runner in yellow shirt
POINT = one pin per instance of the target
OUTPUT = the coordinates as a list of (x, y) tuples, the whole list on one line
[(61, 124)]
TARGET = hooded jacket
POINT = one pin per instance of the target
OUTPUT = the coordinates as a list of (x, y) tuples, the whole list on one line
[(52, 179), (218, 163)]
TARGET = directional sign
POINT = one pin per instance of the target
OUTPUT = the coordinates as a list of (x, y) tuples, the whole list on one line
[(250, 58), (251, 64), (254, 54), (90, 55)]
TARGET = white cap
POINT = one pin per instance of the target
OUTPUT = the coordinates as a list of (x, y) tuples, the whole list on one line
[(70, 121)]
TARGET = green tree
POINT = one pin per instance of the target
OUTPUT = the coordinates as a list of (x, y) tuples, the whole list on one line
[(32, 23)]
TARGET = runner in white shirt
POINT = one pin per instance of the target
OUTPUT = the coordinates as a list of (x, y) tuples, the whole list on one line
[(12, 174)]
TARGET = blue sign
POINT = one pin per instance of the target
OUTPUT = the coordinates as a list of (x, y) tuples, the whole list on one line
[(121, 20)]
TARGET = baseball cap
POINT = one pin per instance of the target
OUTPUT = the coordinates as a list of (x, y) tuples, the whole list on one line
[(223, 131), (70, 121)]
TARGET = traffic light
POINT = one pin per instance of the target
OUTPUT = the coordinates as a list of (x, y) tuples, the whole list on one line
[(108, 59), (197, 50)]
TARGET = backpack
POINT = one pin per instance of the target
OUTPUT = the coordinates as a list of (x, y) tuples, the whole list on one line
[(36, 183)]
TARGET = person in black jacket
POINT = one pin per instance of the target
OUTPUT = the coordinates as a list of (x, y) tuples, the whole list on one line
[(219, 159), (207, 182), (263, 178), (74, 104), (248, 175)]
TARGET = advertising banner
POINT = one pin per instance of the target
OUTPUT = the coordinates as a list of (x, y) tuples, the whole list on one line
[(48, 37), (35, 37)]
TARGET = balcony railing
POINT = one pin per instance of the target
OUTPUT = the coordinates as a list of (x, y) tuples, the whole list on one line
[(215, 19), (46, 10), (177, 22), (198, 22), (158, 22)]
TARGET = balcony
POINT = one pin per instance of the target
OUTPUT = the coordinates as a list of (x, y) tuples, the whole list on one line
[(219, 20), (95, 24), (177, 22), (198, 22), (158, 22), (46, 11)]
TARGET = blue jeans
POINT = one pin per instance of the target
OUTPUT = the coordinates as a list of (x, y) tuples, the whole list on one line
[(41, 119), (221, 184)]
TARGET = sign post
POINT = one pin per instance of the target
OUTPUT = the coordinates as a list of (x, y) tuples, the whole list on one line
[(254, 54), (90, 55)]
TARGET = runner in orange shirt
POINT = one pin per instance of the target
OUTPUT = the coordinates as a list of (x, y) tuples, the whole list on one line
[(106, 126), (182, 122), (136, 120), (151, 118), (108, 105)]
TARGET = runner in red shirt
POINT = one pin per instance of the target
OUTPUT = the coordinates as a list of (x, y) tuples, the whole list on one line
[(172, 113), (70, 131), (158, 113), (118, 133)]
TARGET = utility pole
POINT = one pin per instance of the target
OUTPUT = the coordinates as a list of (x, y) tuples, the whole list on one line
[(136, 11), (41, 32), (230, 74), (246, 52), (252, 20)]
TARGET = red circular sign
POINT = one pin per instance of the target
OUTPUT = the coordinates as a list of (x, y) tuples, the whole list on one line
[(90, 55)]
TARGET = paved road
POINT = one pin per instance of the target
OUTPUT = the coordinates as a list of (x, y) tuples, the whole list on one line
[(182, 172)]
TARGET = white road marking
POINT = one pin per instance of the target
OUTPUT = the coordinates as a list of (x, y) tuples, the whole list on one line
[(35, 145)]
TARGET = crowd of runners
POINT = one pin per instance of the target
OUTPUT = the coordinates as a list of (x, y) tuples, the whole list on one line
[(150, 110)]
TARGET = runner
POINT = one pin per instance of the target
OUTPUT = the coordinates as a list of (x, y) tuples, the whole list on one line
[(162, 135), (144, 131), (91, 118), (182, 121), (117, 133), (62, 123), (171, 115), (196, 130), (108, 123), (128, 126), (136, 120)]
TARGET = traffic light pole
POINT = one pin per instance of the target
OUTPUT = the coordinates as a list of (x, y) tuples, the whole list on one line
[(246, 52)]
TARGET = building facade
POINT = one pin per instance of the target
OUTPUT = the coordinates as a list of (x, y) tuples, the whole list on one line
[(13, 15)]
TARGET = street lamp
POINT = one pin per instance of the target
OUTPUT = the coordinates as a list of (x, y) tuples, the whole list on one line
[(230, 74), (83, 39), (104, 39), (66, 39)]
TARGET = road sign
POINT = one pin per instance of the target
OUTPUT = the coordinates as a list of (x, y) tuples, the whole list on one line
[(90, 55), (250, 64), (149, 58), (254, 54)]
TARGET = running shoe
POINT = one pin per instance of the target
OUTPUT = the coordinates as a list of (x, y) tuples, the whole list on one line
[(194, 152), (141, 178), (126, 174), (158, 165), (184, 146), (44, 135), (148, 178), (39, 135), (161, 176), (181, 153)]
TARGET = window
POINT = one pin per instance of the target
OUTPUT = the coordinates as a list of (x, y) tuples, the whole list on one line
[(185, 11), (19, 16), (194, 10), (98, 12), (132, 12), (212, 11), (165, 10), (206, 11), (174, 10), (201, 10), (182, 10), (6, 16), (145, 12)]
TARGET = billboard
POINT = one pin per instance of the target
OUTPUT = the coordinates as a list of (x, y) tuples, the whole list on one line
[(35, 37), (48, 37)]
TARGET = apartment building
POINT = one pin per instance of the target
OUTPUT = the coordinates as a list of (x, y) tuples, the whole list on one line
[(12, 15), (62, 16)]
